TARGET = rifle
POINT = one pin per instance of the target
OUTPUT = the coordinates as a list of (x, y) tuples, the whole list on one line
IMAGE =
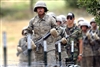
[(67, 36), (40, 41)]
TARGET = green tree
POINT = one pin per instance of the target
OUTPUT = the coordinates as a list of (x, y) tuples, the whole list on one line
[(71, 3), (92, 7)]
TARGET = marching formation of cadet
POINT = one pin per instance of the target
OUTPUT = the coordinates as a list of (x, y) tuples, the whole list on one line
[(79, 41)]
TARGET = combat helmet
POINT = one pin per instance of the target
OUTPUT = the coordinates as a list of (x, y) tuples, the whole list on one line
[(58, 18), (40, 4), (84, 23), (25, 31), (80, 19), (92, 21), (63, 18)]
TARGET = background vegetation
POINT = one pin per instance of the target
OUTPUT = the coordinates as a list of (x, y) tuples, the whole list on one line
[(23, 9), (92, 7)]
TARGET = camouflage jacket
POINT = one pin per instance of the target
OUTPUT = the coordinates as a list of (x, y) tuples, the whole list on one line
[(61, 31), (75, 37), (41, 26), (23, 55), (97, 31), (95, 44), (87, 50)]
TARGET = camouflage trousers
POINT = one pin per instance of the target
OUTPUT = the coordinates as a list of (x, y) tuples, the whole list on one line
[(51, 60), (33, 64), (87, 61), (96, 61), (63, 56)]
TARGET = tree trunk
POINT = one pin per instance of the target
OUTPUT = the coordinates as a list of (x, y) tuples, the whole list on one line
[(31, 6)]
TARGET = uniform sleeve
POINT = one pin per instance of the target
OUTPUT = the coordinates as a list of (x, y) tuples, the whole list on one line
[(19, 43), (99, 33), (79, 34), (31, 26), (53, 22)]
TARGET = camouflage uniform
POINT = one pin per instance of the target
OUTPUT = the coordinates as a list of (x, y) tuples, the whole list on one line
[(23, 57), (75, 37), (95, 48), (41, 26), (63, 50), (87, 52)]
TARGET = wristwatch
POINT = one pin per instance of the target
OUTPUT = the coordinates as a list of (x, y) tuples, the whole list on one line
[(80, 54)]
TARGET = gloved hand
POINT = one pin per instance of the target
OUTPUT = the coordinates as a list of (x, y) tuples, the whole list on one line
[(64, 40), (96, 36), (88, 35), (33, 45), (19, 49), (54, 32)]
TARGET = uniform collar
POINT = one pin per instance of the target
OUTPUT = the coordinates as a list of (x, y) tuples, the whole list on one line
[(70, 30), (42, 18), (71, 27)]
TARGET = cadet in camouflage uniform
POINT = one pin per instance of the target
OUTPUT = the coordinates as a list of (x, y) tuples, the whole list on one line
[(76, 37), (42, 24), (22, 49), (94, 28), (61, 35), (95, 42), (87, 60)]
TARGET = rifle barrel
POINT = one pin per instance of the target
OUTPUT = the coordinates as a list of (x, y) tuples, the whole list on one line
[(46, 36)]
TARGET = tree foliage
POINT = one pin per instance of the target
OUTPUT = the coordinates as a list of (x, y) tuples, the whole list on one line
[(71, 3), (92, 7)]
